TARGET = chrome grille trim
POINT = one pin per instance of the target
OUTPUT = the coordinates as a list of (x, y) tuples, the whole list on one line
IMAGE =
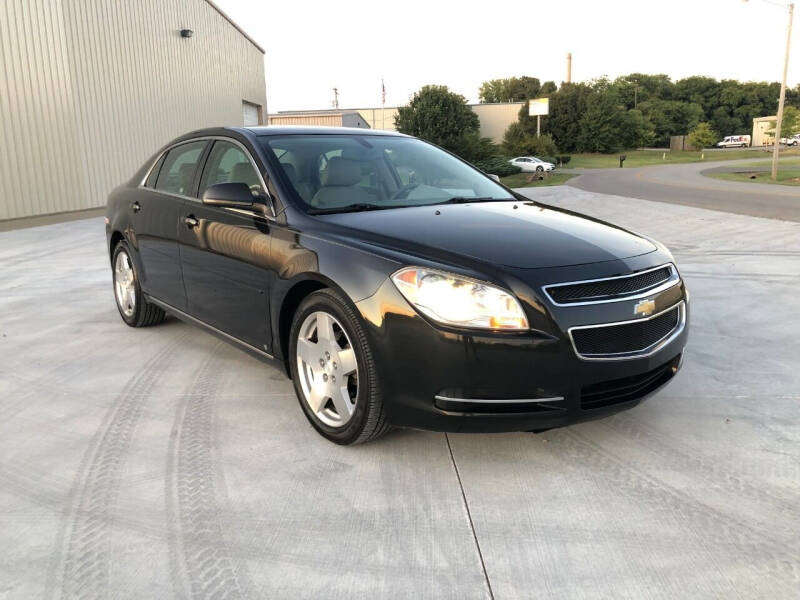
[(643, 353), (501, 400), (674, 279)]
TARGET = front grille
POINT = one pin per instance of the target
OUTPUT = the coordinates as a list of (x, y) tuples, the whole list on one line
[(626, 338), (612, 288), (626, 389)]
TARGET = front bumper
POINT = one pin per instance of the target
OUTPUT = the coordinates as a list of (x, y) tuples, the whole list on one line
[(449, 380)]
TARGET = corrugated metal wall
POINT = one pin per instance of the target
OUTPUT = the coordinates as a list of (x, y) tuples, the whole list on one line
[(495, 118), (90, 88)]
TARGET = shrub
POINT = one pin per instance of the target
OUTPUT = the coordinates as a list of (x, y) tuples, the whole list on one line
[(563, 159), (497, 165), (472, 147), (702, 136), (518, 142)]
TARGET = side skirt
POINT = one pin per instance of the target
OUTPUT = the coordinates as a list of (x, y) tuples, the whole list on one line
[(250, 349)]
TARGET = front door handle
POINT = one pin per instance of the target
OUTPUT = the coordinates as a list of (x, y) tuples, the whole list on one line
[(136, 206), (190, 221)]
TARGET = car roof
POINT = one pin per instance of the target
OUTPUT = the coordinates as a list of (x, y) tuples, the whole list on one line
[(275, 130), (262, 131)]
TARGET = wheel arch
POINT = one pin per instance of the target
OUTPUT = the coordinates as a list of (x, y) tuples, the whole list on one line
[(297, 291), (116, 238)]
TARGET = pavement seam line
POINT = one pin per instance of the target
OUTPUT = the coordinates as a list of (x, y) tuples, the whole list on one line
[(469, 517)]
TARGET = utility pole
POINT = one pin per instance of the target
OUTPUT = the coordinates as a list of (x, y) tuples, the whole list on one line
[(336, 98), (776, 150), (782, 99)]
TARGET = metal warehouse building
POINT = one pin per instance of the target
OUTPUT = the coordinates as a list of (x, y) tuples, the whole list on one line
[(90, 88), (494, 118)]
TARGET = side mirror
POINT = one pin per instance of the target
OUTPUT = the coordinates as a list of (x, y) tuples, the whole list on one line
[(495, 177), (231, 195)]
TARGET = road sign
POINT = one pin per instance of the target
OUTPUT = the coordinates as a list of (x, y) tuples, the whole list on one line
[(538, 107)]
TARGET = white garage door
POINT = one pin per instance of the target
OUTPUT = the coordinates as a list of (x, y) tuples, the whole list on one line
[(249, 114)]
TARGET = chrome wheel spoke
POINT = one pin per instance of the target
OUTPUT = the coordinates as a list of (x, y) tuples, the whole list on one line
[(317, 396), (342, 402), (324, 327), (309, 352), (347, 361)]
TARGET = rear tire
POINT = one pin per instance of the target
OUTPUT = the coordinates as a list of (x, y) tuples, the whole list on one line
[(327, 329), (133, 307)]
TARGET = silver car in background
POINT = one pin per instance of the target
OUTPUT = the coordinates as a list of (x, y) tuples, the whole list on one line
[(531, 164)]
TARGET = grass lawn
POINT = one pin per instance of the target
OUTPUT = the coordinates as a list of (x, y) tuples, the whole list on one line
[(784, 162), (641, 158), (518, 180), (785, 176)]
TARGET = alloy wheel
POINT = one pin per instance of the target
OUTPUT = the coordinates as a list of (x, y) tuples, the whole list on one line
[(327, 369), (125, 284)]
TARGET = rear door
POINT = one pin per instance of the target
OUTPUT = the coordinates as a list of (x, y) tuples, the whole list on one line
[(155, 221), (225, 252)]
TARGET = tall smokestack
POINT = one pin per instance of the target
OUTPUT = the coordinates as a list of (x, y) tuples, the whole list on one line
[(569, 67)]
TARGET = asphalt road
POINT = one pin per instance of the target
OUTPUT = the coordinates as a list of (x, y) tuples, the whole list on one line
[(162, 462), (684, 184)]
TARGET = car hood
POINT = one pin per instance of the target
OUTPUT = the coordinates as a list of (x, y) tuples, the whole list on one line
[(520, 234)]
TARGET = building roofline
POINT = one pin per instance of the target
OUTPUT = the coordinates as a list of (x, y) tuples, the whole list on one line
[(323, 111), (344, 110), (235, 26)]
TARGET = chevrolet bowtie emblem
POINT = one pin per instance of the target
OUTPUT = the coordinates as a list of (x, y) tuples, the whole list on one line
[(644, 308)]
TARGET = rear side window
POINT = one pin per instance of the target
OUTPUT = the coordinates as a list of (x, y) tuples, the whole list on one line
[(151, 178), (177, 171)]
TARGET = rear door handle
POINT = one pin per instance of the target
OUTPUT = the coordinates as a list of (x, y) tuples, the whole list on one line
[(136, 206), (190, 221)]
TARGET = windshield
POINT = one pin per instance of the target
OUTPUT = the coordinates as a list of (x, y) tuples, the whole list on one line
[(331, 173)]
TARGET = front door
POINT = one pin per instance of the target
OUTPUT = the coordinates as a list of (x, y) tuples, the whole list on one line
[(225, 253), (155, 218)]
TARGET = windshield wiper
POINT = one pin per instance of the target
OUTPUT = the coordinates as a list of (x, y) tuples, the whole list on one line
[(467, 200), (348, 208)]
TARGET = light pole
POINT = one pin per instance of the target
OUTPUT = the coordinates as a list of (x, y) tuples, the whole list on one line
[(779, 118)]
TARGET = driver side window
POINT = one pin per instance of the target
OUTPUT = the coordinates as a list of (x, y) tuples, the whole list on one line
[(227, 163)]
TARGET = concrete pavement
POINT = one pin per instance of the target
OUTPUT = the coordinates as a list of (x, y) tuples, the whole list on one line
[(685, 184), (165, 463)]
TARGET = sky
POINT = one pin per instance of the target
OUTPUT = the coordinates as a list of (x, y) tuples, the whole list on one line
[(312, 46)]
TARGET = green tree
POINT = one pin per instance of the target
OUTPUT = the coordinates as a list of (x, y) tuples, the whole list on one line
[(670, 117), (567, 106), (600, 125), (548, 87), (703, 91), (703, 136), (510, 89), (790, 124), (638, 131), (439, 116), (724, 123), (640, 87)]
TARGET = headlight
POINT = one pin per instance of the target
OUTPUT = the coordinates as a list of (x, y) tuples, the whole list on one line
[(459, 301)]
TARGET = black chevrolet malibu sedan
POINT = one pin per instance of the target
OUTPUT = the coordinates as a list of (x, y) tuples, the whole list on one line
[(398, 285)]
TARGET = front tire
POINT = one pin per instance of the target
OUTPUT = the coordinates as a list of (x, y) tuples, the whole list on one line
[(134, 309), (333, 370)]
